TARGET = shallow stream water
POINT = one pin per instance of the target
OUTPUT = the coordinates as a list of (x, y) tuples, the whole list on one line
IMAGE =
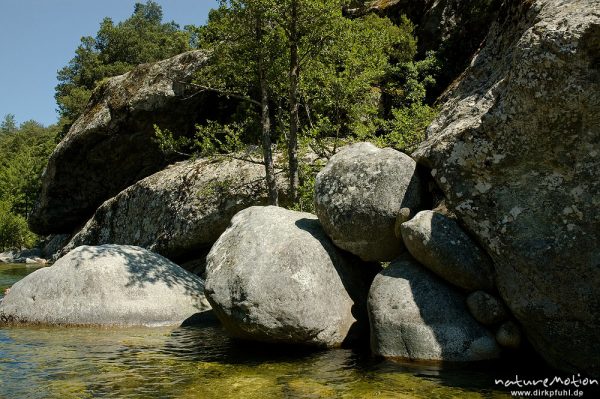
[(202, 362)]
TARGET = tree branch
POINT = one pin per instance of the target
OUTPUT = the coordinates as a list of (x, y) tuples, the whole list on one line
[(222, 92)]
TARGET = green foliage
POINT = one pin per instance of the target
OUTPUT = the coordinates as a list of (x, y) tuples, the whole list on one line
[(342, 87), (116, 49), (406, 81), (14, 232), (406, 129), (211, 138), (23, 155), (359, 79), (216, 138), (8, 125), (306, 190)]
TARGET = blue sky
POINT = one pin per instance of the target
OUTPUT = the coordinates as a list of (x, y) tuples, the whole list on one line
[(38, 37)]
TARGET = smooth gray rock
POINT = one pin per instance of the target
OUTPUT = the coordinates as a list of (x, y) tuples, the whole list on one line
[(275, 276), (112, 144), (415, 315), (359, 195), (516, 150), (28, 256), (106, 285), (486, 308), (509, 335), (441, 245), (180, 211)]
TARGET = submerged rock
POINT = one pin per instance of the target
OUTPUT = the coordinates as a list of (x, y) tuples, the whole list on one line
[(440, 244), (275, 276), (179, 211), (415, 315), (516, 150), (112, 144), (106, 285), (360, 193)]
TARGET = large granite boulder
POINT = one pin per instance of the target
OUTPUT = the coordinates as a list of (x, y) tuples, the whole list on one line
[(440, 244), (111, 145), (415, 315), (275, 276), (516, 150), (359, 195), (106, 285), (180, 210)]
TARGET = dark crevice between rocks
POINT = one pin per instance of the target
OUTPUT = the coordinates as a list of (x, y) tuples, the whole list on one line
[(454, 29)]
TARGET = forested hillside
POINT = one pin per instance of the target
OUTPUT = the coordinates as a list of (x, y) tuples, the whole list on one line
[(25, 150), (310, 80)]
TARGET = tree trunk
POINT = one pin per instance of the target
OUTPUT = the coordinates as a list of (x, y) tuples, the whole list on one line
[(294, 103), (265, 120)]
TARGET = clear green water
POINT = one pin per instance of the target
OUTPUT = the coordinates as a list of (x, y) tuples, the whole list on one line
[(201, 362)]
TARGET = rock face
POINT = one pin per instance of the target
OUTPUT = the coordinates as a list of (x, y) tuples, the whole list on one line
[(178, 211), (359, 194), (516, 150), (112, 144), (440, 244), (486, 308), (54, 244), (106, 285), (415, 315), (275, 276), (509, 335)]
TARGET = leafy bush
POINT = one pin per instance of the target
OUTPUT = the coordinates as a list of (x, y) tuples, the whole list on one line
[(24, 153), (14, 233)]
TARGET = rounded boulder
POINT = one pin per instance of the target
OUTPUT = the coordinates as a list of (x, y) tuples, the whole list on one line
[(359, 195), (106, 285), (274, 276), (415, 315), (441, 245)]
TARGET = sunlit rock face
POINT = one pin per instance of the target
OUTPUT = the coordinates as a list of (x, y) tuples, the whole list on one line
[(106, 285), (359, 196), (112, 144), (180, 211), (516, 150), (275, 276)]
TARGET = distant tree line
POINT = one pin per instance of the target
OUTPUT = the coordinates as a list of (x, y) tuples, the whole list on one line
[(24, 153)]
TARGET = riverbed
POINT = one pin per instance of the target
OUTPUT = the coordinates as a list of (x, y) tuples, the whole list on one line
[(202, 362)]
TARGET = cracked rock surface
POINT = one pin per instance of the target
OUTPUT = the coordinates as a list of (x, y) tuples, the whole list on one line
[(516, 150)]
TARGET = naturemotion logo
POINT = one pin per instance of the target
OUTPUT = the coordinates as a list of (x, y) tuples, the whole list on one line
[(561, 386)]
